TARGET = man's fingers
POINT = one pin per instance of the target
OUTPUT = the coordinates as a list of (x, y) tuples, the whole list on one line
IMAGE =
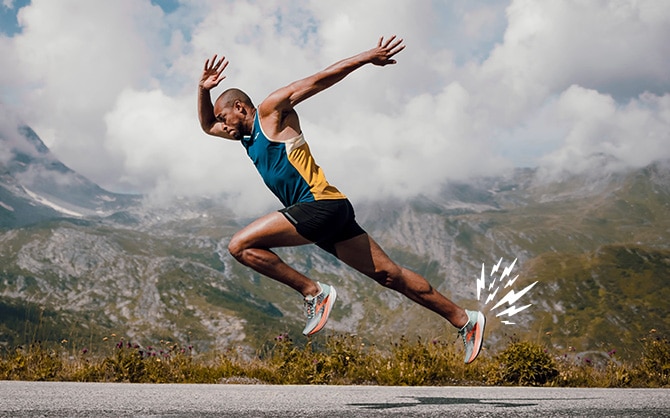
[(392, 52), (388, 41), (392, 45), (395, 44), (225, 64), (213, 64)]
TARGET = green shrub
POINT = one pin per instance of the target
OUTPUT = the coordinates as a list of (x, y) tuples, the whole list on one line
[(523, 363), (419, 363), (654, 367), (34, 363), (125, 365)]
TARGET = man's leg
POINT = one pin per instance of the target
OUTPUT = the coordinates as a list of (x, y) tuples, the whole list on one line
[(251, 247), (366, 256)]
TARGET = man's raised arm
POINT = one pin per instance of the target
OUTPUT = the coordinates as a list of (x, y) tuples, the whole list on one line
[(212, 75), (289, 96)]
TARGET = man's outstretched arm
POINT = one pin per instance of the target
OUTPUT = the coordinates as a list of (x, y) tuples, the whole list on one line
[(212, 75), (288, 97)]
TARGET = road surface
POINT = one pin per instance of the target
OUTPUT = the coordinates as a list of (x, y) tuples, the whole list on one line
[(58, 399)]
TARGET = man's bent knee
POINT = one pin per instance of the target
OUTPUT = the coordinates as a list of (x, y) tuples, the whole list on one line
[(236, 247)]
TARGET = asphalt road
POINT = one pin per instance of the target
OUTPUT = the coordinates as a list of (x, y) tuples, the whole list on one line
[(56, 399)]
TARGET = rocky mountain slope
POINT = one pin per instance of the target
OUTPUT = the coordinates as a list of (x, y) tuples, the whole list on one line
[(80, 263)]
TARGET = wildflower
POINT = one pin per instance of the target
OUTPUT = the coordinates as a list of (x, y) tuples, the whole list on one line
[(119, 345), (611, 352), (587, 361), (84, 351)]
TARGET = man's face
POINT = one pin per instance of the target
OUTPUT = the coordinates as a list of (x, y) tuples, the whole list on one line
[(231, 119)]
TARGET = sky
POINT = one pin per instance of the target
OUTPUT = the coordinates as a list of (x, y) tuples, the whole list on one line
[(482, 87)]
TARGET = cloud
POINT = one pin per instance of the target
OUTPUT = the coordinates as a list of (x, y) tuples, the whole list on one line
[(158, 140), (480, 88), (615, 47), (594, 125)]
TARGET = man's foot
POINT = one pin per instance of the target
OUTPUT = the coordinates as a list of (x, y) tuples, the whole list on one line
[(318, 309), (473, 334)]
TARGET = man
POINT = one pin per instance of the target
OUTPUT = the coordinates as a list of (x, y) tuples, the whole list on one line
[(314, 210)]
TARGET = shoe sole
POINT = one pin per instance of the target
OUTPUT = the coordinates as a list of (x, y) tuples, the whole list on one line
[(329, 302)]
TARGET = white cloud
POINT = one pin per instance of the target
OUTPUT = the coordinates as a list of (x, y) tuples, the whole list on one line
[(631, 135), (158, 140), (111, 88)]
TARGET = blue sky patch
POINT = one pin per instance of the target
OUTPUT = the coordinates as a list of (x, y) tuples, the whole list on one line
[(9, 25)]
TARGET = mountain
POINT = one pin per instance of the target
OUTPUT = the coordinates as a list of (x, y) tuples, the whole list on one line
[(80, 263), (36, 186)]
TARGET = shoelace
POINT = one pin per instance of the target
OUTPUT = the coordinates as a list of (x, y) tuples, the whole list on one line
[(310, 305), (463, 332)]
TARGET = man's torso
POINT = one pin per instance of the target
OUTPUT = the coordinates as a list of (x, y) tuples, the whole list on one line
[(288, 168)]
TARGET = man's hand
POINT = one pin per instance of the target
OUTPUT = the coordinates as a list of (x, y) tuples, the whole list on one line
[(212, 74), (382, 54)]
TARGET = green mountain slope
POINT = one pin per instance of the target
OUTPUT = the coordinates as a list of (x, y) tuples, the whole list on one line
[(597, 246), (604, 300)]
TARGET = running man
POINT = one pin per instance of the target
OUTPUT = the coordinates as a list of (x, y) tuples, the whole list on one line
[(314, 210)]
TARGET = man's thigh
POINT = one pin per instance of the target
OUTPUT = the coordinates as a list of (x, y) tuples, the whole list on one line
[(365, 255), (269, 231)]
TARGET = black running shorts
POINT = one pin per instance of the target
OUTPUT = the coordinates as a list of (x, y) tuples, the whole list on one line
[(324, 222)]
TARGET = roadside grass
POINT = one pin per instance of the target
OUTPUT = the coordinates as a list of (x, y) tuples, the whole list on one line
[(338, 360)]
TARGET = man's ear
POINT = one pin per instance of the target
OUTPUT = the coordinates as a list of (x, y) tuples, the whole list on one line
[(239, 107)]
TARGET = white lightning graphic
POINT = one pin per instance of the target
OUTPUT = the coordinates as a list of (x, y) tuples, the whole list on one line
[(511, 297), (513, 310), (495, 268), (511, 281), (492, 295), (507, 270), (499, 275), (481, 282)]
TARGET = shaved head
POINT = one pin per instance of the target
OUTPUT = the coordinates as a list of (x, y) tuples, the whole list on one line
[(230, 96)]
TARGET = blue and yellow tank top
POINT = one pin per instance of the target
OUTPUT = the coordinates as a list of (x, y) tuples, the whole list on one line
[(288, 168)]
